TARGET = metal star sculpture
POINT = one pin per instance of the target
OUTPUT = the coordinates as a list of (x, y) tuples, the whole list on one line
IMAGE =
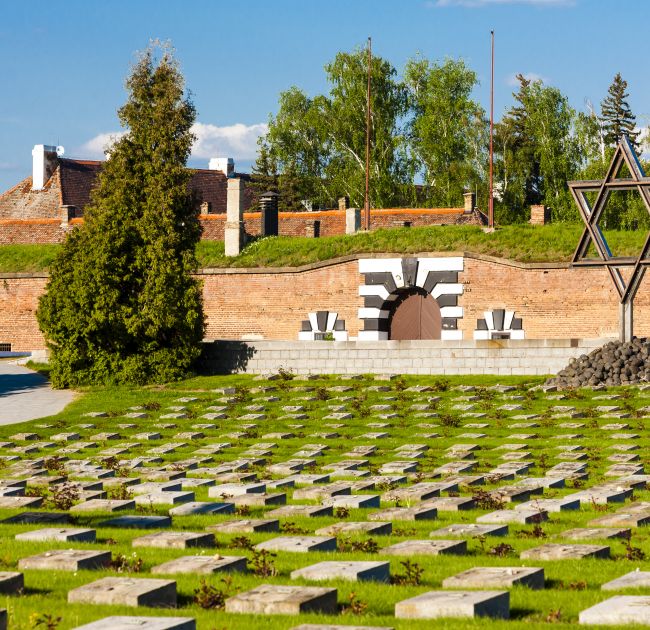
[(624, 154)]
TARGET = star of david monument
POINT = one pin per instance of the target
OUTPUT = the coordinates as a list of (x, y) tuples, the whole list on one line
[(626, 272)]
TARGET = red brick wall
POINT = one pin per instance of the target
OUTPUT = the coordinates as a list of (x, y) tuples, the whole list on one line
[(553, 302), (332, 222)]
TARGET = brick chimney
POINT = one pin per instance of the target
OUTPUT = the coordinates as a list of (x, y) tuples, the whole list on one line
[(470, 202), (44, 163), (540, 215)]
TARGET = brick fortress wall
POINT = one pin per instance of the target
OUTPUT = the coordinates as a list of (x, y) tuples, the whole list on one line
[(553, 301)]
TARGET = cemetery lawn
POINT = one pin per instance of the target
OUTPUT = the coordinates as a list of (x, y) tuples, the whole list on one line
[(241, 424), (523, 243)]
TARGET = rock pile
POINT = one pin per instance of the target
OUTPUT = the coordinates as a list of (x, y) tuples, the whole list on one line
[(616, 363)]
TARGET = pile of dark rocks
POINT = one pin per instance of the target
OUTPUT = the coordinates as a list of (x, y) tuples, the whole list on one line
[(615, 363)]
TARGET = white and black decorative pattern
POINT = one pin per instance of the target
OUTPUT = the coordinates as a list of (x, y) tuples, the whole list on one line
[(499, 324), (321, 324), (385, 277)]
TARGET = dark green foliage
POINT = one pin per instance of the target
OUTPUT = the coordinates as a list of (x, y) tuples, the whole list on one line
[(616, 116), (121, 304)]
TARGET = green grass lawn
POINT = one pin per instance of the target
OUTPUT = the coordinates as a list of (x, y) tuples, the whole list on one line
[(524, 243), (571, 586)]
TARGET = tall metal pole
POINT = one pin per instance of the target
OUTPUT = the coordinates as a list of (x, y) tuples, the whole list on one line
[(367, 196), (491, 200)]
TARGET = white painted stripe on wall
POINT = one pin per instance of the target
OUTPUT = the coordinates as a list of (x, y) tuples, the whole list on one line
[(372, 313), (481, 334), (507, 320), (313, 321), (380, 265), (451, 311), (372, 335), (331, 318), (305, 336), (374, 289), (451, 335), (517, 334), (447, 288), (489, 320)]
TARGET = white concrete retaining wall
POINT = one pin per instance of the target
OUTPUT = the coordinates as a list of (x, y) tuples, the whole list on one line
[(500, 357)]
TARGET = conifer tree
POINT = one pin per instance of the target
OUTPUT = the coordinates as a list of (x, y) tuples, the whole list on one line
[(121, 304), (264, 175), (616, 115)]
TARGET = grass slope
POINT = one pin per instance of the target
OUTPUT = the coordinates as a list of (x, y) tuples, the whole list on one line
[(524, 243)]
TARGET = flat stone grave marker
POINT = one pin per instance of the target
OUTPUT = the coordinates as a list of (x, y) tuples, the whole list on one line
[(198, 507), (38, 517), (634, 579), (310, 511), (66, 534), (619, 610), (247, 526), (175, 540), (550, 505), (342, 570), (103, 505), (126, 592), (138, 522), (497, 577), (346, 527), (553, 551), (67, 560), (140, 623), (622, 519), (11, 582), (353, 501), (273, 599), (440, 604), (299, 544), (426, 548), (588, 533), (328, 626), (514, 516), (470, 529), (204, 565), (450, 504), (404, 514), (164, 498)]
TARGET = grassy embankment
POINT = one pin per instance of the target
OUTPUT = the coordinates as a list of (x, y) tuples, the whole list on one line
[(551, 243)]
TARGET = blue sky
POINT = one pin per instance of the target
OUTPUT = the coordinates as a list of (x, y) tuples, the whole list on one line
[(64, 62)]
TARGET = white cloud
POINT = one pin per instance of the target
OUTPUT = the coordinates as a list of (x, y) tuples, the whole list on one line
[(96, 147), (238, 141), (531, 76), (477, 4)]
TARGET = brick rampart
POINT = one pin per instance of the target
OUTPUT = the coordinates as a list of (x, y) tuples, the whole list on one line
[(553, 300), (331, 223)]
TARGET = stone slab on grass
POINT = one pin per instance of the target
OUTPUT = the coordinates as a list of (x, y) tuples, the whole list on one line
[(353, 501), (634, 579), (33, 518), (299, 544), (140, 623), (11, 582), (138, 522), (426, 548), (202, 565), (440, 604), (200, 507), (311, 511), (497, 577), (342, 570), (67, 560), (343, 527), (272, 599), (126, 591), (404, 514), (175, 540), (588, 533), (470, 529), (619, 610), (60, 534), (247, 526), (565, 552), (103, 505), (328, 626), (514, 516)]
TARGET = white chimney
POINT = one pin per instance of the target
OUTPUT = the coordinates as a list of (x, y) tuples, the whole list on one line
[(225, 165), (44, 162)]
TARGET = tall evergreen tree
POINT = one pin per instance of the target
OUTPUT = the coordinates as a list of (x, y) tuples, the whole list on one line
[(121, 304), (616, 115)]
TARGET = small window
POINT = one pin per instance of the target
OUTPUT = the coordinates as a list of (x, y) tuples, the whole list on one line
[(5, 347)]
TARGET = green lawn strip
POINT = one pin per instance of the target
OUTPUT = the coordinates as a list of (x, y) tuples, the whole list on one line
[(572, 586), (524, 243)]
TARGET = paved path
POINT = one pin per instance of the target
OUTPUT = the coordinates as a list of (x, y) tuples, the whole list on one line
[(26, 395)]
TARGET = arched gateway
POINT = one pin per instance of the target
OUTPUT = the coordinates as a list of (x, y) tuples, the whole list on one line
[(410, 298)]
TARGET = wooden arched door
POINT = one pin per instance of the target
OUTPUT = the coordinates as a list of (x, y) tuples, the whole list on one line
[(415, 315)]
